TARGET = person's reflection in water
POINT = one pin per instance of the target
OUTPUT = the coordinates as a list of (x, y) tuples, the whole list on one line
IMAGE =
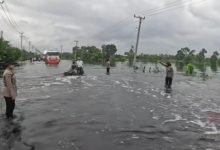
[(10, 132), (10, 135)]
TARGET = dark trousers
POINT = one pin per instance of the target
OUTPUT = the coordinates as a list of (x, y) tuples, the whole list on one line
[(10, 105), (168, 82), (80, 71), (108, 70)]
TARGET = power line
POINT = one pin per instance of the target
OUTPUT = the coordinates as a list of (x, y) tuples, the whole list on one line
[(7, 23), (11, 22), (9, 19), (173, 7), (139, 28), (150, 12), (11, 16), (170, 4)]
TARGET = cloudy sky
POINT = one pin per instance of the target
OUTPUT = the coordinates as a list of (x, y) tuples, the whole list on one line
[(51, 23)]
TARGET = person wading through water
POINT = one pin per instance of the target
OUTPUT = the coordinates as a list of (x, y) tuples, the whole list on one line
[(169, 75), (10, 89), (79, 63), (108, 66)]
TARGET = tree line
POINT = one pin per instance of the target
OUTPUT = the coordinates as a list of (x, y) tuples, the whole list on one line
[(10, 53), (183, 57), (92, 54), (186, 55)]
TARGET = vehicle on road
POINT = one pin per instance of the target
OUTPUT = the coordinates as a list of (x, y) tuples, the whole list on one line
[(52, 57)]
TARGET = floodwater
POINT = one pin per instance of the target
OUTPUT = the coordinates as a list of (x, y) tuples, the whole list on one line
[(122, 111)]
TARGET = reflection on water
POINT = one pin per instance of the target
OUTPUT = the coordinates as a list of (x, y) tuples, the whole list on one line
[(180, 66), (214, 68), (10, 134), (122, 111), (202, 67)]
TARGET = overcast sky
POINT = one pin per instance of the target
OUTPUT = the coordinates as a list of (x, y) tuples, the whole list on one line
[(51, 23)]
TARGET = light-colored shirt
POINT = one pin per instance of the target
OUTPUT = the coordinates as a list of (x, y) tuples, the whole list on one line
[(108, 64), (10, 87), (169, 72), (79, 63)]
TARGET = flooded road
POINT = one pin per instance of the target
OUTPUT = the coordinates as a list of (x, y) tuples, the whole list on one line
[(123, 111)]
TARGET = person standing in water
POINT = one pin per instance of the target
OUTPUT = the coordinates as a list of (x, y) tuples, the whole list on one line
[(190, 69), (108, 66), (150, 70), (79, 63), (144, 69), (10, 90), (169, 74)]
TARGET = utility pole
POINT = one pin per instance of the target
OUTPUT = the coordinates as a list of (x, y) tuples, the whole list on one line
[(138, 36), (1, 35), (76, 48), (29, 45), (31, 56), (1, 2), (61, 50), (21, 35), (1, 40)]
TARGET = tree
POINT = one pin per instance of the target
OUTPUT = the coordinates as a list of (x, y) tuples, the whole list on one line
[(90, 54), (7, 52), (180, 55), (201, 55), (109, 50), (67, 56), (214, 60), (189, 57), (185, 55)]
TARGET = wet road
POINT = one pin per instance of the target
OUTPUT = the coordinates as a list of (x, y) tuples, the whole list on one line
[(123, 111)]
